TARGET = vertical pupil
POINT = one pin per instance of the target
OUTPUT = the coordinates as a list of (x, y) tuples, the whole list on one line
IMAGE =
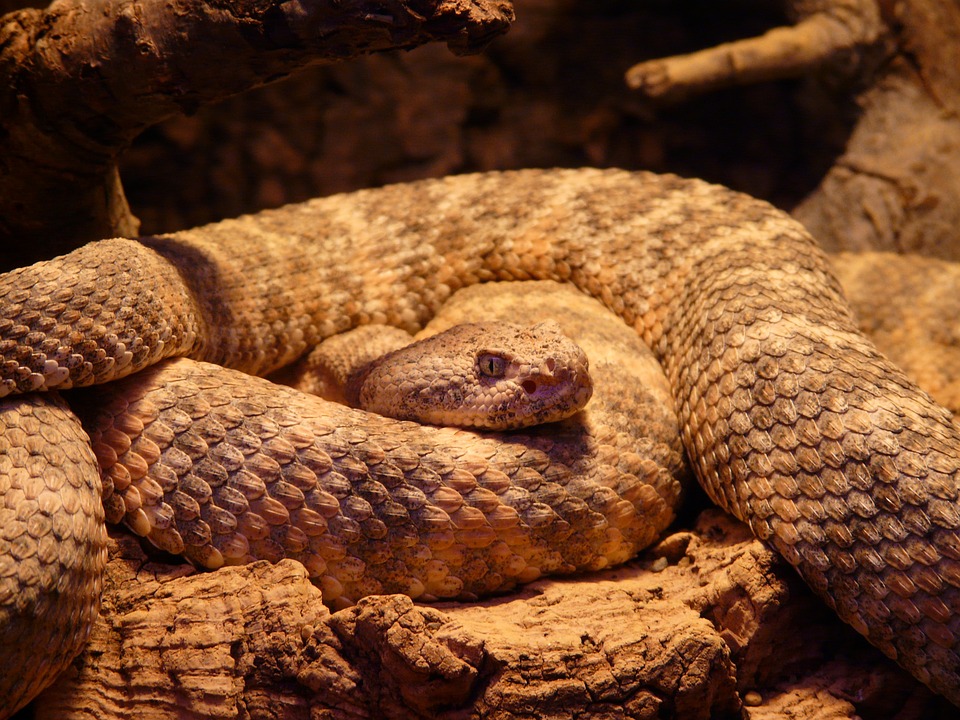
[(491, 365)]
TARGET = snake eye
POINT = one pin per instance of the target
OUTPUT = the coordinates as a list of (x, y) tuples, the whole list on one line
[(491, 365)]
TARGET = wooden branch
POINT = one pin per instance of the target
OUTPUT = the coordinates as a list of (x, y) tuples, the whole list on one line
[(826, 31), (80, 80)]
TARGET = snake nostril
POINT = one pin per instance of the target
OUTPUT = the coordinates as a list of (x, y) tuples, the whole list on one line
[(529, 386), (551, 365)]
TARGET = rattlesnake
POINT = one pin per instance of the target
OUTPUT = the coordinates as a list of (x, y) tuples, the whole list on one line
[(793, 421)]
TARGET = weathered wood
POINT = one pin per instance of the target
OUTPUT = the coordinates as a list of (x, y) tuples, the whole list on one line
[(79, 81)]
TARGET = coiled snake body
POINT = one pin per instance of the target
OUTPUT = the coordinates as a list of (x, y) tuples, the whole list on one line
[(793, 421)]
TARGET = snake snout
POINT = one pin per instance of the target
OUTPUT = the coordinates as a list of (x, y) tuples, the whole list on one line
[(547, 373), (553, 378)]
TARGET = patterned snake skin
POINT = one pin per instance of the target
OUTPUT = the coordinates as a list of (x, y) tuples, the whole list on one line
[(793, 421)]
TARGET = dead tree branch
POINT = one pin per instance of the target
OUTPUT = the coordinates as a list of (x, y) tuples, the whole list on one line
[(80, 80), (826, 31)]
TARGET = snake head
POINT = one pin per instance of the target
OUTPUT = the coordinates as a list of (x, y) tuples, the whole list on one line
[(492, 376)]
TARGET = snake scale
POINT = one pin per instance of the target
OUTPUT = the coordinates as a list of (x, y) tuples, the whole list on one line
[(792, 420)]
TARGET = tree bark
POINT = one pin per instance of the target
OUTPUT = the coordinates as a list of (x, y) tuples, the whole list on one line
[(894, 187), (81, 80)]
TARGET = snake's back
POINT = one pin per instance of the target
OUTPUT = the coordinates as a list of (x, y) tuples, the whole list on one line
[(793, 421)]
